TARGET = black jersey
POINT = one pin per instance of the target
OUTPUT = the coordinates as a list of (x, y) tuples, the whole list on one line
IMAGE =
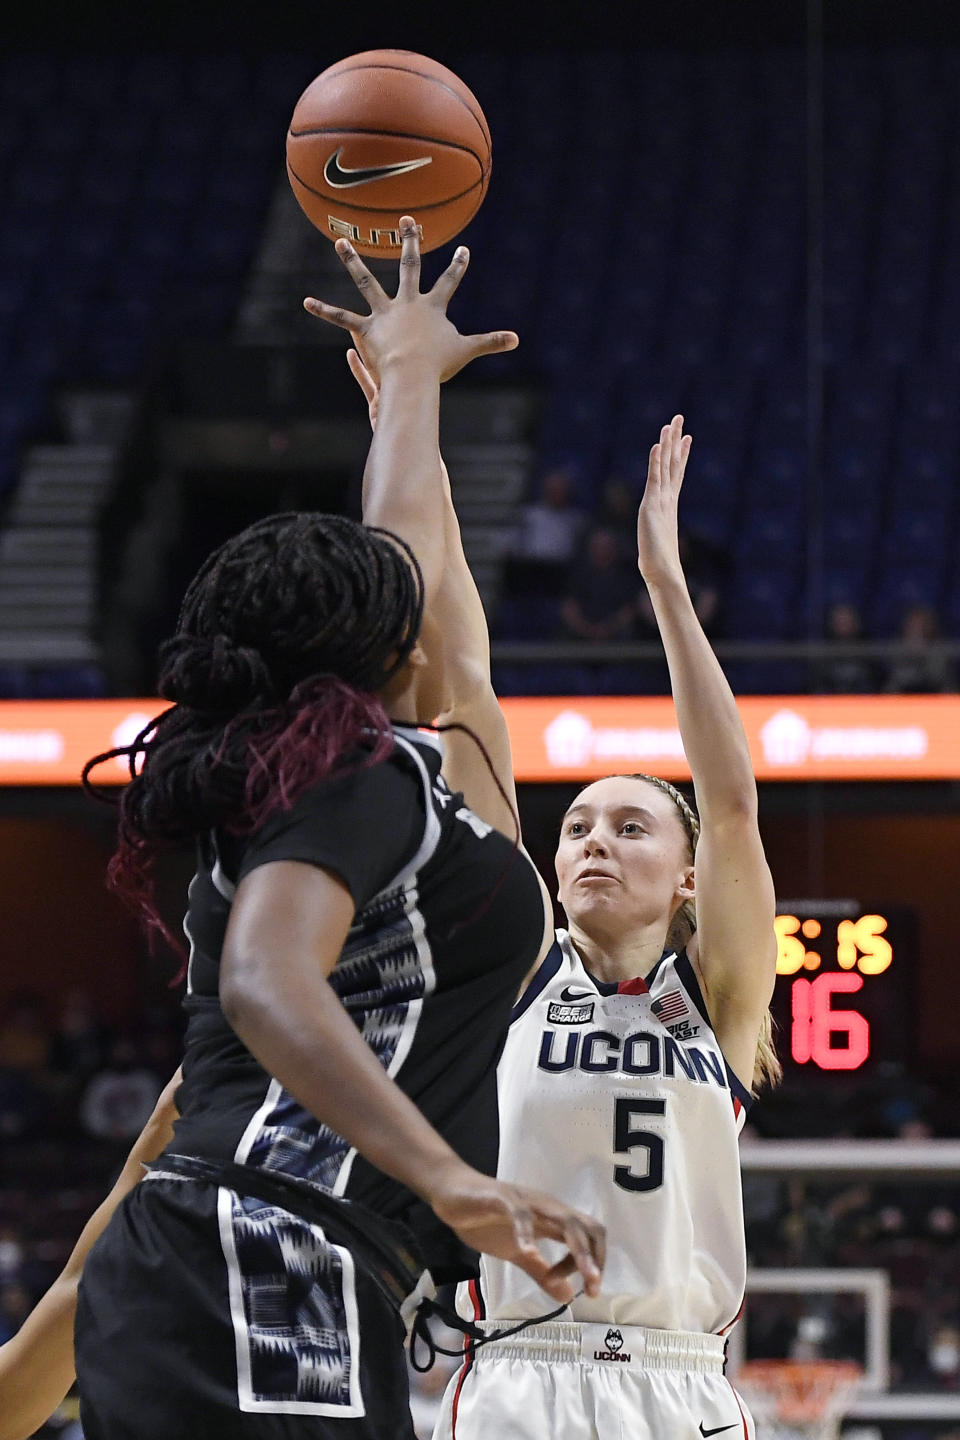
[(448, 920)]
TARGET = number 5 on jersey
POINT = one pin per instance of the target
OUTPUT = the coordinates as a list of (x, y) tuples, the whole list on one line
[(628, 1138)]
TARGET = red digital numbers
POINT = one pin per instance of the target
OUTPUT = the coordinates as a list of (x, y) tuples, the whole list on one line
[(823, 957), (815, 1023)]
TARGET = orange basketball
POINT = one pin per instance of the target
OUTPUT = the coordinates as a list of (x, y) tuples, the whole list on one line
[(383, 134)]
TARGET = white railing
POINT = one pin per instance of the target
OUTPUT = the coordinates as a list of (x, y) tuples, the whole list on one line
[(834, 1159)]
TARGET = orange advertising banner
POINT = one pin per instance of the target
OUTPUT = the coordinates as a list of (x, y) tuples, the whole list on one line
[(791, 737), (48, 742), (820, 737)]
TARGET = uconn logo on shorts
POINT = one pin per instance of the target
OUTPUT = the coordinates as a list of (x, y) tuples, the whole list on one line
[(613, 1343)]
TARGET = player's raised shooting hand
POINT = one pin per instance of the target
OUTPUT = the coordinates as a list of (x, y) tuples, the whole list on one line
[(411, 328), (508, 1221), (658, 545)]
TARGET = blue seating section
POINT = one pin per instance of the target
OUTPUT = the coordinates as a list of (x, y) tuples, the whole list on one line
[(134, 192), (676, 262), (654, 230), (22, 682), (134, 195)]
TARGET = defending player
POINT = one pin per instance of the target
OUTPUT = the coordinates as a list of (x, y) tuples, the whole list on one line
[(347, 988), (630, 1059)]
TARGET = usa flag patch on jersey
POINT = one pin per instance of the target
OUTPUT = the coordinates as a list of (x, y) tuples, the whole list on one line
[(673, 1012), (671, 1007)]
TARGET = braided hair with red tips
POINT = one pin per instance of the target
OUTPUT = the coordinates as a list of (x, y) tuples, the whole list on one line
[(285, 637)]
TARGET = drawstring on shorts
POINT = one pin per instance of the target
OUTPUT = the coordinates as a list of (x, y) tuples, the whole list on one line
[(420, 1332)]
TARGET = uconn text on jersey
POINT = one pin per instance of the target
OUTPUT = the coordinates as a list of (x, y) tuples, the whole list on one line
[(639, 1053)]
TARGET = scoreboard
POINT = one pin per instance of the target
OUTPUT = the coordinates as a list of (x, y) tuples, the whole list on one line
[(843, 999)]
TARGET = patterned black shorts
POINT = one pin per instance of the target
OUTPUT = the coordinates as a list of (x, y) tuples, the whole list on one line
[(206, 1315)]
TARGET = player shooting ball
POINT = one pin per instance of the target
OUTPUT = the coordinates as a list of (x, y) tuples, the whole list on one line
[(642, 1031)]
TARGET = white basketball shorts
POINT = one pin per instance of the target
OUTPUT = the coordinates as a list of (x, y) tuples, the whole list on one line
[(566, 1381)]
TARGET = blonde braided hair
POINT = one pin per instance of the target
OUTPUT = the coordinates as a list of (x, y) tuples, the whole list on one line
[(767, 1069)]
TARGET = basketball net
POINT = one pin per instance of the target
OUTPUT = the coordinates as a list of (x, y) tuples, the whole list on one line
[(798, 1400)]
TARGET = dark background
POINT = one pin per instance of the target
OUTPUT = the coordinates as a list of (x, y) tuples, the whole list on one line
[(291, 24)]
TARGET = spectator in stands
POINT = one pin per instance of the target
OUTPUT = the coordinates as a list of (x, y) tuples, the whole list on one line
[(550, 528), (80, 1036), (920, 665), (160, 1045), (119, 1099), (15, 1305), (618, 513), (812, 1335), (908, 1359), (24, 1054), (601, 600), (22, 1104), (943, 1356), (943, 1226), (846, 674), (25, 1035), (11, 1254), (704, 567)]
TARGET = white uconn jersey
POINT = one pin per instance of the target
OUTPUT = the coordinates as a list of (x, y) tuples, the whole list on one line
[(617, 1100)]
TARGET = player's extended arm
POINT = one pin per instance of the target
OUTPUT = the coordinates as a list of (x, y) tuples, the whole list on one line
[(473, 702), (288, 923), (406, 489), (472, 699), (735, 947), (460, 642), (36, 1365)]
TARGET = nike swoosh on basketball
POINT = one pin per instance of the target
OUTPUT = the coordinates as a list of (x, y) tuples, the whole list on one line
[(715, 1431), (567, 994), (342, 177)]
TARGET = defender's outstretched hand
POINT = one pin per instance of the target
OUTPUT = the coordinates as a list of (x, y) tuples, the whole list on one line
[(658, 547), (410, 328)]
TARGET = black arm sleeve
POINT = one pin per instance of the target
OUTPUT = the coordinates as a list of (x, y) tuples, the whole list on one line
[(364, 825)]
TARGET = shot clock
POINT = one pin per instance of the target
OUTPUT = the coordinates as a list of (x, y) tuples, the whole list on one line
[(843, 997)]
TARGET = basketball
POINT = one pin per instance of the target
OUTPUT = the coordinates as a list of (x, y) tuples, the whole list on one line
[(387, 133)]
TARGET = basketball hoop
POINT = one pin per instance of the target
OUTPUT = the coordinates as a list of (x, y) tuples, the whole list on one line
[(798, 1400)]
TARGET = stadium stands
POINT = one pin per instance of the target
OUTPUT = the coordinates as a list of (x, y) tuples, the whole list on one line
[(687, 250)]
